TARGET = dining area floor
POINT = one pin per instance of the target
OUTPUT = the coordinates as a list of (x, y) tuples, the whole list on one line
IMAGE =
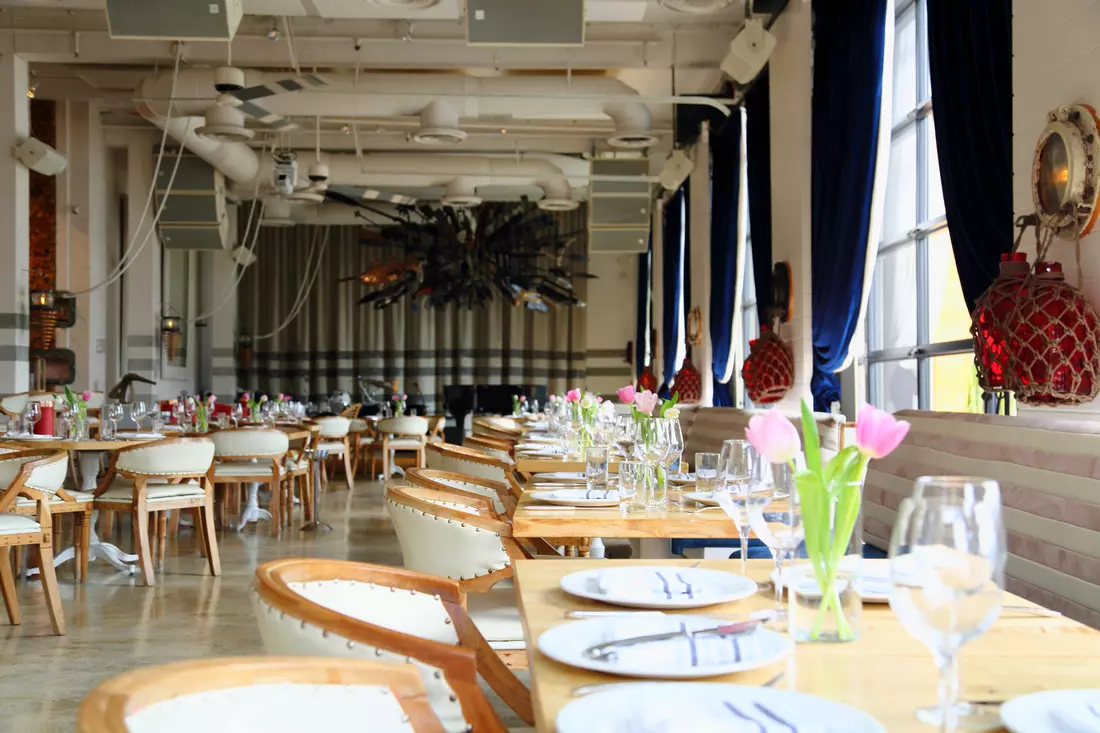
[(115, 624)]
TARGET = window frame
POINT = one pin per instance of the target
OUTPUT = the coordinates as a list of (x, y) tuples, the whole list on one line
[(925, 350)]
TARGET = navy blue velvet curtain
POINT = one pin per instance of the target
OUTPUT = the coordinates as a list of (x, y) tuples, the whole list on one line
[(970, 65), (847, 92), (674, 234), (725, 190), (758, 145), (644, 304)]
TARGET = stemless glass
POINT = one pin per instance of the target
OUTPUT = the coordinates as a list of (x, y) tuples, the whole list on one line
[(651, 448), (672, 458), (776, 517), (947, 558), (595, 467), (738, 466), (626, 432), (706, 472)]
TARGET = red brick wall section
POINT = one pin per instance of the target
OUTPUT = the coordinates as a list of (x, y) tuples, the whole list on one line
[(43, 214)]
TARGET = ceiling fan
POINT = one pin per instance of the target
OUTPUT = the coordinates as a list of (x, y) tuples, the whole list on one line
[(226, 117)]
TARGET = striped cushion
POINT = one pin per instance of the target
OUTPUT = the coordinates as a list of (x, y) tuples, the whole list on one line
[(1049, 472), (706, 427)]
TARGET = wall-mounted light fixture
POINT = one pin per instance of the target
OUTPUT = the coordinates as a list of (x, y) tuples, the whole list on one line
[(170, 332)]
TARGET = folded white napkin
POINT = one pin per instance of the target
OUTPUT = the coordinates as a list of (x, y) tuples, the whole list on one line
[(662, 585), (1075, 721), (685, 653), (744, 717), (582, 494)]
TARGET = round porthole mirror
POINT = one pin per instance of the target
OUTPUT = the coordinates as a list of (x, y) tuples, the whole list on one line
[(1064, 171)]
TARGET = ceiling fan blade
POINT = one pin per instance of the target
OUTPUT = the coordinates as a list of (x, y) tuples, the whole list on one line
[(357, 194), (249, 95)]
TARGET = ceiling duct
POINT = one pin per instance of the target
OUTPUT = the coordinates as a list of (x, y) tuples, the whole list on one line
[(439, 125), (633, 126), (277, 213), (559, 196), (461, 194)]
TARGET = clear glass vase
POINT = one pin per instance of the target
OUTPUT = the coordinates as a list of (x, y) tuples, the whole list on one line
[(823, 588)]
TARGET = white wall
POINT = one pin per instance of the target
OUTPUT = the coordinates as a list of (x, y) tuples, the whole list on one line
[(1055, 62), (612, 303)]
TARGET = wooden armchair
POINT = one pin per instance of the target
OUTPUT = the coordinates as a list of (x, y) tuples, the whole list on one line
[(253, 456), (261, 693), (407, 434), (500, 494), (459, 459), (347, 609), (36, 475)]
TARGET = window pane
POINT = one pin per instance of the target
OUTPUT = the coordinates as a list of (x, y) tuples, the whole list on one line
[(948, 318), (954, 385), (905, 64), (901, 188), (895, 298), (897, 384), (935, 189)]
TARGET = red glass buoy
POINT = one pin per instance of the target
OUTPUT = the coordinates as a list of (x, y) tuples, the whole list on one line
[(768, 370), (989, 321), (688, 383), (648, 380), (1053, 348)]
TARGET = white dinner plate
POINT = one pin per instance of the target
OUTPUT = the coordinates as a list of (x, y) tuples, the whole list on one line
[(139, 436), (658, 586), (568, 477), (541, 452), (874, 580), (578, 497), (35, 436), (540, 438), (1053, 711), (707, 497), (681, 478), (676, 707), (538, 446), (681, 658)]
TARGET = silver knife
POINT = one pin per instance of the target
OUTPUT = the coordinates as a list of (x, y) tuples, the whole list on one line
[(603, 651)]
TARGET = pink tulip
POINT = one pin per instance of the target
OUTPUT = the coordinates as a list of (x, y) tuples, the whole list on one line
[(212, 399), (522, 398), (645, 401), (573, 395), (878, 433), (599, 399), (773, 436), (553, 398), (85, 396), (246, 397), (263, 398), (626, 394), (404, 397)]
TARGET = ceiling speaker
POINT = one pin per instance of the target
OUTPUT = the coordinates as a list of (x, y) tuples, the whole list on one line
[(527, 23), (183, 20)]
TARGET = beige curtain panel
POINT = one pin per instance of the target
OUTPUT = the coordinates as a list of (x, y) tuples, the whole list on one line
[(334, 342)]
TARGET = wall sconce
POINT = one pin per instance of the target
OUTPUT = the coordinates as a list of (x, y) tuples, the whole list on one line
[(44, 317), (171, 335)]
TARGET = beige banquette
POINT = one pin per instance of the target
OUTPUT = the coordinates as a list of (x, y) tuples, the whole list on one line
[(1049, 472), (705, 428)]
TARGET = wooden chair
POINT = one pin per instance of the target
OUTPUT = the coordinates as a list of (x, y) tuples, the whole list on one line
[(495, 447), (459, 459), (500, 494), (366, 441), (406, 434), (351, 410), (348, 609), (298, 474), (36, 475), (334, 440), (436, 423), (253, 455), (502, 428), (65, 502), (261, 694), (170, 474)]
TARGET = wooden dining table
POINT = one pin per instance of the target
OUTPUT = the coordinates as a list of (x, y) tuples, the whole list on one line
[(887, 672)]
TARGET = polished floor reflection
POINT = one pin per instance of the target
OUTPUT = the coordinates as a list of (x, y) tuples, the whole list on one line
[(115, 624)]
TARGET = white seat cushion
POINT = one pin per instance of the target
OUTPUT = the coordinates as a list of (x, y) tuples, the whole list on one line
[(121, 490), (18, 524), (302, 465), (406, 444), (358, 426), (331, 447), (496, 616), (223, 470), (81, 497)]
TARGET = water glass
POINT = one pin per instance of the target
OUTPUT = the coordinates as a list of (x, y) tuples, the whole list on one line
[(739, 474), (775, 516), (595, 467), (706, 472), (237, 413), (672, 458), (156, 422), (947, 558), (626, 433)]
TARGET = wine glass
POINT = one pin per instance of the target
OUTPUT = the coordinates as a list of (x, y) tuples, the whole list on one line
[(947, 558), (237, 413), (31, 414), (139, 412), (113, 412), (738, 466), (626, 432), (776, 516), (674, 454)]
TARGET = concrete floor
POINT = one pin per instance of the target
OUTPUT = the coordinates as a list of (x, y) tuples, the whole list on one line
[(115, 625)]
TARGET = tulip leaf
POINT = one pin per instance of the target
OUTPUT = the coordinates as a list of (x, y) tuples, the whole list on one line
[(810, 441)]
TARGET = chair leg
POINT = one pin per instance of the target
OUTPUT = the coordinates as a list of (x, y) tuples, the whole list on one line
[(49, 587), (387, 469), (206, 516), (145, 555), (276, 509), (108, 524), (85, 544), (200, 529), (307, 496), (79, 519), (348, 475), (162, 536), (7, 587)]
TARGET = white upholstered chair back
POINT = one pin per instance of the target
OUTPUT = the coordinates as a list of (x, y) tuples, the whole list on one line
[(250, 442), (96, 400), (48, 477), (441, 535), (1049, 475), (262, 694), (303, 617), (429, 478), (446, 457), (333, 427), (405, 425), (13, 404), (174, 456)]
